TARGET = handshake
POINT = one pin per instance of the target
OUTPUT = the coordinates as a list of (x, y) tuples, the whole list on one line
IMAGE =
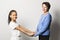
[(27, 31), (30, 33)]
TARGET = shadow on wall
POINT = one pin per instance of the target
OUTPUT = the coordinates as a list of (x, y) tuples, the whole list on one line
[(25, 37), (55, 26)]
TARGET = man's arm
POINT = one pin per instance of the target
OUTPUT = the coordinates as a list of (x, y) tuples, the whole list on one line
[(43, 26)]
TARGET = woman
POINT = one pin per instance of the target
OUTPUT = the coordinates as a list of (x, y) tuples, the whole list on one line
[(15, 28), (43, 28)]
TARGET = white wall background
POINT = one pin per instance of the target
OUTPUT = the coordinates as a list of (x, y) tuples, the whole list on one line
[(29, 12)]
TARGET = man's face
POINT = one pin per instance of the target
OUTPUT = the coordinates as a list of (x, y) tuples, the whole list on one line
[(44, 8)]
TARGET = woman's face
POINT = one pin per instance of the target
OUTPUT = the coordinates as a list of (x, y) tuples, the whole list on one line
[(13, 16), (44, 8)]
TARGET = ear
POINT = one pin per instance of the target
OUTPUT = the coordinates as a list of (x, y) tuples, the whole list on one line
[(10, 16)]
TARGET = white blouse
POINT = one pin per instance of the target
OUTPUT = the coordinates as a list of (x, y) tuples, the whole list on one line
[(14, 32)]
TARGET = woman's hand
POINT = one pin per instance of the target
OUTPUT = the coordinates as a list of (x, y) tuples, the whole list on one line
[(31, 34), (25, 30)]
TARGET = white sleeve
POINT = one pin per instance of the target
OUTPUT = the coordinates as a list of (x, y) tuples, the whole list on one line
[(13, 25)]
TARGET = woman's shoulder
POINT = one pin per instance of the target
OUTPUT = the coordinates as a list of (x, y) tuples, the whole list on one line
[(13, 23)]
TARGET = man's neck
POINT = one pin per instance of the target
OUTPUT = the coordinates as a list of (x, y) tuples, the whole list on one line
[(46, 13)]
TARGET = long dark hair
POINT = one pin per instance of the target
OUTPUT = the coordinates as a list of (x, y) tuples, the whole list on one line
[(9, 19)]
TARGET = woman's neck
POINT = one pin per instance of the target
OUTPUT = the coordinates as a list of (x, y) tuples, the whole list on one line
[(13, 20)]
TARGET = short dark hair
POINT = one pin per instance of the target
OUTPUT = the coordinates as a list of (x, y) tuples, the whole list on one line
[(47, 4)]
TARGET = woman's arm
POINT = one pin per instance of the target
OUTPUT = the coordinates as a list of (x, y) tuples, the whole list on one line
[(24, 30)]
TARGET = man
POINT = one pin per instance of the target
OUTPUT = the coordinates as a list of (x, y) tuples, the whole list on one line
[(43, 28)]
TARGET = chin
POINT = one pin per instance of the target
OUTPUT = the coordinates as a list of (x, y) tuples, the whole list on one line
[(14, 19), (44, 11)]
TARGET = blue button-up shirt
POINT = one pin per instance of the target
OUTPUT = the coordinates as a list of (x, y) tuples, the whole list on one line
[(43, 27)]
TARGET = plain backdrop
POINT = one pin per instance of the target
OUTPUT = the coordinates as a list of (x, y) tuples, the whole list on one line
[(29, 12)]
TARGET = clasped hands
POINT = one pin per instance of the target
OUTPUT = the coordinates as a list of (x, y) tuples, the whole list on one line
[(27, 31), (31, 34)]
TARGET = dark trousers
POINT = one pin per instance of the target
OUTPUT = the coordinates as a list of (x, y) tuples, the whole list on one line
[(43, 37)]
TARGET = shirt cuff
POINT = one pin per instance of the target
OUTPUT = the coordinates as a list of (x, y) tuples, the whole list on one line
[(35, 35)]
